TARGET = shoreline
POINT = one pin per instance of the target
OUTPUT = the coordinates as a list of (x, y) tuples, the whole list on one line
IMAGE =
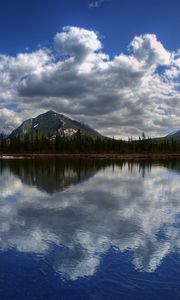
[(133, 156)]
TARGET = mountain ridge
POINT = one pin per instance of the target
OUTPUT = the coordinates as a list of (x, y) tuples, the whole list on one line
[(174, 134), (52, 123)]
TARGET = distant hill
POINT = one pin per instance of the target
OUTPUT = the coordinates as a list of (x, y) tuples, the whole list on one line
[(51, 123), (174, 134)]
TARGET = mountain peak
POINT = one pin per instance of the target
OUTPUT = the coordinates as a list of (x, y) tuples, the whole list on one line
[(52, 123), (49, 112)]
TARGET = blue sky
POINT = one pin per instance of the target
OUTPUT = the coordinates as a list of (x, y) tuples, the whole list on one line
[(113, 64), (29, 23)]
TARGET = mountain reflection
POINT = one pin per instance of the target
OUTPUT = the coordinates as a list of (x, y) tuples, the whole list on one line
[(85, 208), (52, 175)]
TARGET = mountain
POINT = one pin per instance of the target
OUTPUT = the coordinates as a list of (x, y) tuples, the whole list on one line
[(51, 123), (60, 174), (174, 134)]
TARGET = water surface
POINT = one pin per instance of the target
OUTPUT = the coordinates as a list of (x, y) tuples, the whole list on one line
[(84, 229)]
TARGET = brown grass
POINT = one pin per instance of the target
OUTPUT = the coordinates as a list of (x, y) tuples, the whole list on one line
[(133, 156)]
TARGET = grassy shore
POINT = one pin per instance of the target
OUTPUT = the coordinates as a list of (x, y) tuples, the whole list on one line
[(129, 156)]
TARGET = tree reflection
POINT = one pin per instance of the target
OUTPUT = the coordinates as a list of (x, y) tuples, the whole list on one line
[(92, 207)]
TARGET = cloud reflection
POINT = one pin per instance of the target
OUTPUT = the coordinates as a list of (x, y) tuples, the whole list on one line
[(112, 206)]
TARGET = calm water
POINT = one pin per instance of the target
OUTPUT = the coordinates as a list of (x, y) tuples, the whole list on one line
[(89, 230)]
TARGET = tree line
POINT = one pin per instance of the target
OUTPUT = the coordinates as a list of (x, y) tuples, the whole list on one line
[(80, 143)]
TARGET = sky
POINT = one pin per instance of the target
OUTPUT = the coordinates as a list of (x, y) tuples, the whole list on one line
[(113, 64)]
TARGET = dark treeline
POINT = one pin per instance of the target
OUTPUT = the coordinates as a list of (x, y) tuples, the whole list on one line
[(85, 144), (59, 173)]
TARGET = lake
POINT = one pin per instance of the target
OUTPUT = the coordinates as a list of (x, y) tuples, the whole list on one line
[(77, 229)]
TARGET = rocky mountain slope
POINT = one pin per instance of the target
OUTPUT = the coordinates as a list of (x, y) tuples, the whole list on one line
[(51, 123)]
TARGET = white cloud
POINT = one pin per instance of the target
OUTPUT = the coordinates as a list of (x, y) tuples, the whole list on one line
[(121, 96), (142, 201), (96, 4), (148, 49), (77, 42), (8, 120)]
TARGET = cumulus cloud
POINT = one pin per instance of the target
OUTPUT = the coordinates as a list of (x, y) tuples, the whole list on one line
[(148, 49), (121, 96), (143, 202), (96, 4), (8, 120), (77, 42)]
